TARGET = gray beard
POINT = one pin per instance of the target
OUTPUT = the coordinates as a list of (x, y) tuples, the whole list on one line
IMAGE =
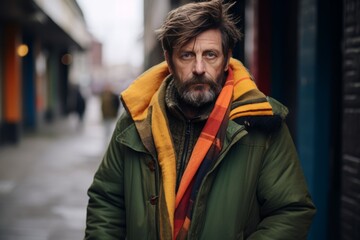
[(197, 99)]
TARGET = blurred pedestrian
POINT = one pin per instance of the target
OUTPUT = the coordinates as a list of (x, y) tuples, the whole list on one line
[(76, 102), (80, 104), (200, 152), (110, 104)]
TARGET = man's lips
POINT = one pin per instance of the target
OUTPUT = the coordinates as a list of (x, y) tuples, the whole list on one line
[(199, 86)]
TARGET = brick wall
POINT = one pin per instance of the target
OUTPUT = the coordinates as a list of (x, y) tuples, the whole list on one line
[(350, 195)]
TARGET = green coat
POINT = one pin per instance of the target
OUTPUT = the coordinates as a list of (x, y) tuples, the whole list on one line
[(256, 190)]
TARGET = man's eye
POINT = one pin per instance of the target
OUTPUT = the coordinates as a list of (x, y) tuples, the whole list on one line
[(186, 55), (210, 55)]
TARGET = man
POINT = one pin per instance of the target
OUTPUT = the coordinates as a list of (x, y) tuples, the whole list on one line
[(110, 104), (200, 152)]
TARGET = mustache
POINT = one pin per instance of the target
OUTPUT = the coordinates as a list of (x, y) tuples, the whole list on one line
[(196, 79), (186, 86)]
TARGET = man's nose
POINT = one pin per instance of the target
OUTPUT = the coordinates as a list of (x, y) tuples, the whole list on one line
[(199, 66)]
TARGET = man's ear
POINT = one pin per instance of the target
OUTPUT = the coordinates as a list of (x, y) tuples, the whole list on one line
[(167, 59), (228, 60)]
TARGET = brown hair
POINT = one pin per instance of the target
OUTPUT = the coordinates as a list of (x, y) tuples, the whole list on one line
[(188, 21)]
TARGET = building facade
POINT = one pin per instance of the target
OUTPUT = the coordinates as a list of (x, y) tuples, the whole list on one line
[(40, 43)]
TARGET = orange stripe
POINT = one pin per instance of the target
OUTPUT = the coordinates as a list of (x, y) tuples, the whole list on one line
[(12, 81), (242, 87), (253, 113), (186, 224), (255, 107), (207, 136), (241, 79)]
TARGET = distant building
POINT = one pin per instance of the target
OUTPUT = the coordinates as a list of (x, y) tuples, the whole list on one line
[(41, 42)]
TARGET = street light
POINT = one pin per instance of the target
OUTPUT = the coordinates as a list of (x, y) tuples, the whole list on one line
[(22, 50)]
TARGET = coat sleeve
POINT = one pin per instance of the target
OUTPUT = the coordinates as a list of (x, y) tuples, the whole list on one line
[(106, 212), (286, 208)]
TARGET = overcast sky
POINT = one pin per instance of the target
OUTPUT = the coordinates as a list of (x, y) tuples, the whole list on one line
[(118, 24)]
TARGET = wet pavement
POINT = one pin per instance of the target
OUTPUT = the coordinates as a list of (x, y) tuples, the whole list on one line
[(44, 179)]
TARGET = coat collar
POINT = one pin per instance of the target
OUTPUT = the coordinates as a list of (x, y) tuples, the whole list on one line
[(130, 137)]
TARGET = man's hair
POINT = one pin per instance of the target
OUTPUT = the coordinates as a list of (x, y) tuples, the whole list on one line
[(188, 21)]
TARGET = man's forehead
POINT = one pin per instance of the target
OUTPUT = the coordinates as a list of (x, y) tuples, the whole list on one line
[(210, 39)]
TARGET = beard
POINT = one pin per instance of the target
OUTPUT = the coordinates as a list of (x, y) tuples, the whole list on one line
[(199, 90)]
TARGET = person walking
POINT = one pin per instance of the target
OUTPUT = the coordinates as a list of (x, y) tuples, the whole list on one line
[(110, 105), (199, 152)]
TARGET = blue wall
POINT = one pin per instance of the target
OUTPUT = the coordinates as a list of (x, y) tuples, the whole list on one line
[(315, 126), (29, 86)]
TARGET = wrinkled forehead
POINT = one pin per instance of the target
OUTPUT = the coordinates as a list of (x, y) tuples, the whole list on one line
[(208, 40)]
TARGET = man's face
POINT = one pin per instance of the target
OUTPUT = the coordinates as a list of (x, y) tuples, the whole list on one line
[(198, 68)]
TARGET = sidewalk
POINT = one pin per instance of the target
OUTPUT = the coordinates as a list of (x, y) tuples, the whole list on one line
[(44, 179)]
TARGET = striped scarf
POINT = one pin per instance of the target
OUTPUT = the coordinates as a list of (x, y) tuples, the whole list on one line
[(239, 97), (206, 150)]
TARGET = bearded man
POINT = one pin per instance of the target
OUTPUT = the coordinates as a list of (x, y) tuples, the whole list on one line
[(200, 152)]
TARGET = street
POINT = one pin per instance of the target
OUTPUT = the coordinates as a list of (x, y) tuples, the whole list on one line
[(44, 179)]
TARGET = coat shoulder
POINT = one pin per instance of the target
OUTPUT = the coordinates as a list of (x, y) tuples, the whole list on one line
[(266, 124)]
